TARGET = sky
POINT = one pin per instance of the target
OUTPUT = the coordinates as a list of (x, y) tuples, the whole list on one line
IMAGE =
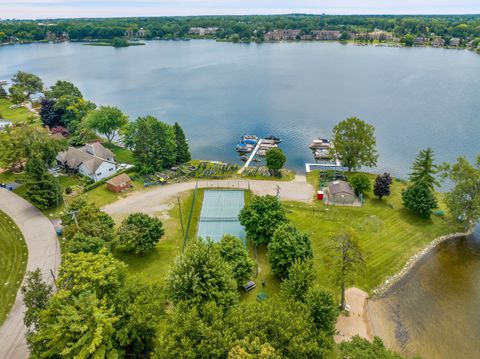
[(41, 9)]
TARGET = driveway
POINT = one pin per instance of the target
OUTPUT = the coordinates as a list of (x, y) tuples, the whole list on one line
[(43, 253), (153, 200)]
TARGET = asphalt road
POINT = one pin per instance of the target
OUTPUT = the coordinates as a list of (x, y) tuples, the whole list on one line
[(43, 253)]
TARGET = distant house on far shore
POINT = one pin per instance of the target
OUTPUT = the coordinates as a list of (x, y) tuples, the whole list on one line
[(92, 160), (454, 42), (438, 42)]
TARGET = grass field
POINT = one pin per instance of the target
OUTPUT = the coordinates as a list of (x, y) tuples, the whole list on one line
[(388, 233), (13, 261), (20, 114), (122, 155)]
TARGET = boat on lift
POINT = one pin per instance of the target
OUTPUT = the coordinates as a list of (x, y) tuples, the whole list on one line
[(249, 139), (276, 140), (320, 143), (243, 147), (322, 154), (244, 158)]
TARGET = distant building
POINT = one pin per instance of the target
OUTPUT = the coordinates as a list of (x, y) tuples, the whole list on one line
[(202, 31), (141, 32), (379, 36), (326, 34), (454, 42), (129, 33), (438, 42), (119, 183), (92, 160), (306, 37), (282, 34), (419, 41)]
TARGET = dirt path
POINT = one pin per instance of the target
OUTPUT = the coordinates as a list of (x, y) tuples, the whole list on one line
[(153, 200), (358, 321), (43, 253)]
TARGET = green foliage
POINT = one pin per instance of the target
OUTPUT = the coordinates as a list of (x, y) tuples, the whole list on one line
[(43, 190), (183, 153), (424, 169), (106, 120), (140, 233), (252, 349), (275, 159), (360, 348), (80, 327), (83, 243), (101, 274), (35, 293), (50, 116), (201, 275), (234, 252), (73, 110), (119, 42), (360, 183), (288, 244), (88, 219), (63, 88), (408, 40), (153, 144), (463, 200), (322, 309), (261, 217), (355, 144), (345, 260), (27, 83), (419, 199), (382, 185), (301, 276), (17, 94)]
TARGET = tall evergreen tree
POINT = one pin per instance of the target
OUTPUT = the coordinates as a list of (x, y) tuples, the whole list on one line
[(419, 198), (424, 169), (43, 190), (183, 153)]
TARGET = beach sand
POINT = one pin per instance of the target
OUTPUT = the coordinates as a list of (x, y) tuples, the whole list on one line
[(357, 321)]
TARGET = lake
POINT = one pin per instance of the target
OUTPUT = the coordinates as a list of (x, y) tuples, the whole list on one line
[(434, 310), (415, 97)]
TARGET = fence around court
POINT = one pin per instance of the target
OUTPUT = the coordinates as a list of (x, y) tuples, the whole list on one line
[(225, 185)]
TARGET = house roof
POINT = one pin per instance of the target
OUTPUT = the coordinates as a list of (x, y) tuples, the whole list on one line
[(337, 187), (118, 180), (91, 155)]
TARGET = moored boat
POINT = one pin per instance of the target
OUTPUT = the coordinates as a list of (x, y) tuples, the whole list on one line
[(276, 140), (320, 143)]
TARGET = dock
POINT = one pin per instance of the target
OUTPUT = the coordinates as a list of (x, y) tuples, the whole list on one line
[(250, 159), (334, 165)]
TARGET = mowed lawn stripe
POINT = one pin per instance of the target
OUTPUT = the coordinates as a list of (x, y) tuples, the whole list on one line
[(13, 261)]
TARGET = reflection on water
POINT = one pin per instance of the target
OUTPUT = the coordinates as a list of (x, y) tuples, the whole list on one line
[(434, 311)]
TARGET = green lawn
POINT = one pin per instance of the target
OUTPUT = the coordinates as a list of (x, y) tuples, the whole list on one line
[(389, 234), (20, 114), (122, 154), (13, 261)]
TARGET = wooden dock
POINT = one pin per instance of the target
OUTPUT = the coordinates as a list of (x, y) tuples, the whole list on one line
[(324, 166), (250, 159)]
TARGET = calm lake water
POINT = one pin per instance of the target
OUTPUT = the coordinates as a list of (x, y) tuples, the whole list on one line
[(416, 98), (434, 311)]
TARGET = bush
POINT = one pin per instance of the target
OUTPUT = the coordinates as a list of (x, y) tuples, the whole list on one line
[(360, 183)]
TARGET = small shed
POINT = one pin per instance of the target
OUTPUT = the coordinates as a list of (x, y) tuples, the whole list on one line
[(340, 192), (119, 183)]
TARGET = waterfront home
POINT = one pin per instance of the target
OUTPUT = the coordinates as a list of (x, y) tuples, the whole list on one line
[(438, 42), (419, 41), (92, 160), (141, 32), (202, 31), (326, 34), (283, 34), (454, 42), (379, 36)]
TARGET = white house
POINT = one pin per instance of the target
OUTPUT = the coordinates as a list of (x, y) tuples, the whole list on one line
[(92, 160)]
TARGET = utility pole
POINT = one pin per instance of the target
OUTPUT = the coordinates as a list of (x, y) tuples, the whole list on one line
[(278, 192)]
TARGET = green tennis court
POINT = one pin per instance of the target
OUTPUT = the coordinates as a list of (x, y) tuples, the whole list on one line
[(219, 214)]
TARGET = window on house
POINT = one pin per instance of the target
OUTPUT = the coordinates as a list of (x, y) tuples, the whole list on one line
[(111, 169), (99, 173)]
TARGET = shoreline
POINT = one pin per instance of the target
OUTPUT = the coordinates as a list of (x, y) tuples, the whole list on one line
[(383, 288)]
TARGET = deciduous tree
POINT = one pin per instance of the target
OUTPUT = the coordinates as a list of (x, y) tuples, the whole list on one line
[(201, 275), (275, 159), (301, 277), (140, 233), (361, 348), (355, 144), (382, 185), (261, 217), (107, 121), (36, 293), (234, 252), (27, 83), (288, 244), (63, 88)]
